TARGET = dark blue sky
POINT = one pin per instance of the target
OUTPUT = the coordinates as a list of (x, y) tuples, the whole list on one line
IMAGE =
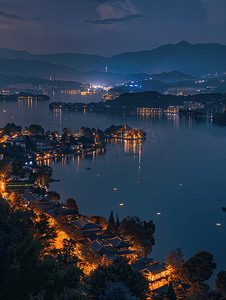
[(108, 27)]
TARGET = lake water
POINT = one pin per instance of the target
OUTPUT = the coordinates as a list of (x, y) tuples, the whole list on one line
[(179, 171)]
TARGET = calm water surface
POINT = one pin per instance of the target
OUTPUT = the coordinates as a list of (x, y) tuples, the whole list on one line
[(178, 171)]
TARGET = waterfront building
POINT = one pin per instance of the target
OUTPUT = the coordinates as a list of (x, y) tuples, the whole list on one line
[(148, 110), (156, 273)]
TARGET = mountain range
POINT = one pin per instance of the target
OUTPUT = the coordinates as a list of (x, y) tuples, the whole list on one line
[(197, 59)]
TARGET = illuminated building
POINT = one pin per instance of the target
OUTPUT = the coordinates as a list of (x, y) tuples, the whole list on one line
[(86, 227), (106, 97), (155, 272), (148, 110), (112, 245)]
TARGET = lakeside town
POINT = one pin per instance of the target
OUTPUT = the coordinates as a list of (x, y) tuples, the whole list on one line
[(36, 144), (24, 185), (112, 150), (90, 244)]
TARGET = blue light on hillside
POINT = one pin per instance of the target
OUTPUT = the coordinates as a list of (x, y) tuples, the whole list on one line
[(134, 85)]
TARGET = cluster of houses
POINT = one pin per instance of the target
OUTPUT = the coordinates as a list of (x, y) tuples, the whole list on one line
[(101, 242), (209, 108), (43, 148)]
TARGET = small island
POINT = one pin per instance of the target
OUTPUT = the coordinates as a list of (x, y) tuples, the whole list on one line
[(24, 96)]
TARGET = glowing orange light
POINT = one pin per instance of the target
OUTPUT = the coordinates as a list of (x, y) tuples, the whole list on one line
[(121, 204), (115, 189), (218, 224), (158, 213)]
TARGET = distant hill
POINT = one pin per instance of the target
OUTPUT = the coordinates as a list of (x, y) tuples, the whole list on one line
[(197, 59), (37, 68), (16, 54), (172, 76), (43, 70), (6, 80)]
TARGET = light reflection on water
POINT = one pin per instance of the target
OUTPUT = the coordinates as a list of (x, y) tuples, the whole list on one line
[(177, 150)]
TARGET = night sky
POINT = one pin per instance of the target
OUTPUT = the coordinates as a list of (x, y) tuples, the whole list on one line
[(108, 27)]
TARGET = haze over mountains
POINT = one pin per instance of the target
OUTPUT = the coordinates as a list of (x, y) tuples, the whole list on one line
[(198, 60)]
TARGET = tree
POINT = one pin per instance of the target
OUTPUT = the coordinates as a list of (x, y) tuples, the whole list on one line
[(118, 271), (175, 261), (45, 233), (117, 291), (29, 143), (53, 135), (199, 267), (68, 131), (117, 223), (71, 294), (17, 169), (43, 175), (23, 221), (11, 129), (23, 275), (8, 234), (71, 204), (220, 282), (48, 134), (87, 133), (100, 132), (139, 233), (188, 277), (52, 195), (28, 274), (35, 129), (111, 228), (15, 201), (22, 259), (98, 220), (64, 137), (67, 255)]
